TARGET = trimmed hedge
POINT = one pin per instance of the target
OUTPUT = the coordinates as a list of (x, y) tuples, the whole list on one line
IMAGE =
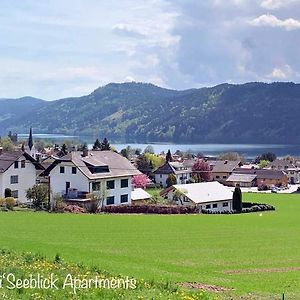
[(149, 209), (248, 207)]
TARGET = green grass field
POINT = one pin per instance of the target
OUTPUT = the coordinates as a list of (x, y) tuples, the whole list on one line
[(256, 256)]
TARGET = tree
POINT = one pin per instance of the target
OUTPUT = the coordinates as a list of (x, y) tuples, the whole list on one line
[(171, 180), (263, 163), (266, 156), (140, 181), (97, 145), (178, 195), (201, 171), (39, 195), (7, 144), (149, 149), (233, 156), (64, 150), (105, 146), (143, 164), (98, 196), (125, 153), (39, 145), (169, 156), (237, 199)]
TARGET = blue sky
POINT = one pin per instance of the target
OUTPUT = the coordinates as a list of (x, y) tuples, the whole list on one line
[(59, 48)]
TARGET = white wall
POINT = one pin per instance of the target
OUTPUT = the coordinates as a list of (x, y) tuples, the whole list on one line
[(58, 180), (162, 178), (26, 179), (184, 201), (80, 182)]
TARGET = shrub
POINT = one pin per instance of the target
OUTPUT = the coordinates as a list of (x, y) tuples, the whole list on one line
[(10, 203), (2, 202), (149, 209), (75, 209)]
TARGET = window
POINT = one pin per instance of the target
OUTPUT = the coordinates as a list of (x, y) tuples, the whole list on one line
[(225, 204), (110, 184), (124, 198), (96, 186), (224, 177), (62, 169), (217, 176), (110, 200), (14, 179), (74, 170), (16, 164), (15, 194), (160, 175), (23, 162), (124, 183), (207, 206), (215, 205)]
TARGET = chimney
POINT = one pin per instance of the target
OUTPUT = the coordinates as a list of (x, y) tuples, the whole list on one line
[(1, 149), (85, 152)]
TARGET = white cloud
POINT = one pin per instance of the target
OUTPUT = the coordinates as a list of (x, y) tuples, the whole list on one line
[(281, 73), (275, 4), (129, 79), (273, 21)]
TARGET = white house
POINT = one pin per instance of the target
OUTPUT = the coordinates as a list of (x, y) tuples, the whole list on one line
[(205, 195), (182, 172), (78, 174), (17, 172)]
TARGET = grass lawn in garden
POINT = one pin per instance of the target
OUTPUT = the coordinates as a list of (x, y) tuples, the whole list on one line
[(256, 255)]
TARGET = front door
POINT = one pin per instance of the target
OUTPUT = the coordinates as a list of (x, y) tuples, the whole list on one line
[(67, 186)]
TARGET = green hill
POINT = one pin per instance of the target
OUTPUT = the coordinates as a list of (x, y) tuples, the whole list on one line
[(138, 112)]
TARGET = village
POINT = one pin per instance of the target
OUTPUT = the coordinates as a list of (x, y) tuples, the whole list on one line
[(92, 179)]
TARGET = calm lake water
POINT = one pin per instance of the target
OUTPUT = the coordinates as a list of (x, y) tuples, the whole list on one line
[(248, 150)]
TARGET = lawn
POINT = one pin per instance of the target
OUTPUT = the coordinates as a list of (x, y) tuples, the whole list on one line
[(257, 256)]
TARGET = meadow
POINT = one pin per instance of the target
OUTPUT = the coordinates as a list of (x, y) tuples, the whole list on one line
[(253, 256)]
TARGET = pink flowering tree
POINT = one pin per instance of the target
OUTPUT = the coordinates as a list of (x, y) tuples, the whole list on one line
[(201, 171), (140, 181)]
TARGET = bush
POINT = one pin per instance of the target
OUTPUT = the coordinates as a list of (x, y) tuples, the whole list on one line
[(149, 209), (2, 202), (10, 203), (247, 208), (75, 209)]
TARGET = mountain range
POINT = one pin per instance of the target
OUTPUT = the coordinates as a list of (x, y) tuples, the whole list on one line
[(140, 112)]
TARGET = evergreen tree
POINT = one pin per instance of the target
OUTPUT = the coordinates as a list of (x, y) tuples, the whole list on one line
[(64, 150), (97, 145), (171, 180), (169, 156), (237, 199), (105, 145), (143, 164)]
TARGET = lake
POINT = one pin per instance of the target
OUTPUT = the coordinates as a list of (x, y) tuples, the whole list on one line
[(248, 150)]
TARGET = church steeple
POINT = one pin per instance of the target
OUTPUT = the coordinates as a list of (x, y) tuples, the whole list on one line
[(30, 139)]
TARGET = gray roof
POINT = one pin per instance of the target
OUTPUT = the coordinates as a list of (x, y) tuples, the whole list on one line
[(281, 164), (236, 177), (225, 166), (173, 168), (205, 192), (8, 158), (118, 166), (262, 173)]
